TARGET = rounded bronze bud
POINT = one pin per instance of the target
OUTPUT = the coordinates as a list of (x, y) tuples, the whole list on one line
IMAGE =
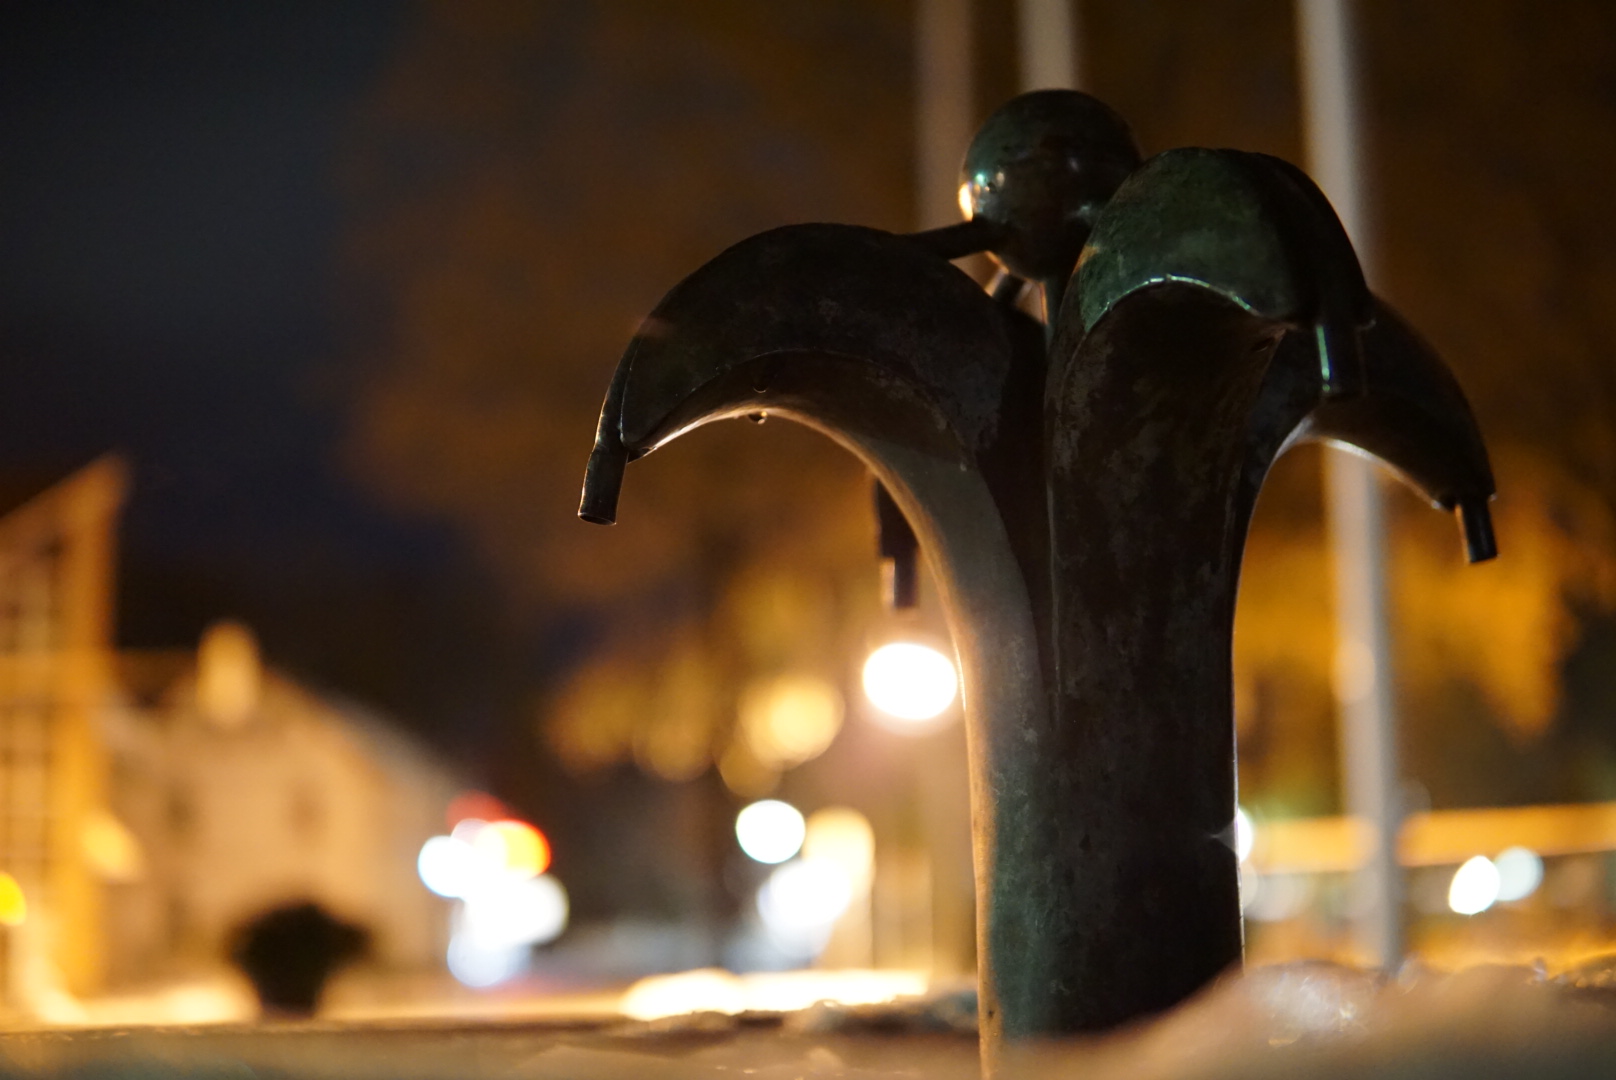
[(1043, 166)]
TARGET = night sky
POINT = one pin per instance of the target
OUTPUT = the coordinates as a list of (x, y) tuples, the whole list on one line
[(170, 229)]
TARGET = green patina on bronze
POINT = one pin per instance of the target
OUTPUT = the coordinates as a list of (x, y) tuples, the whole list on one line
[(1082, 498)]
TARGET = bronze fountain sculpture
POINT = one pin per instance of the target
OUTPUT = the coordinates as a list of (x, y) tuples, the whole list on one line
[(1082, 490)]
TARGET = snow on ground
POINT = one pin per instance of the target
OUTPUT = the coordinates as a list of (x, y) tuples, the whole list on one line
[(1297, 1020)]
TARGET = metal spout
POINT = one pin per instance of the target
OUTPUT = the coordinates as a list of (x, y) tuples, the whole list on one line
[(898, 548), (1414, 418), (603, 482), (603, 475), (1476, 526)]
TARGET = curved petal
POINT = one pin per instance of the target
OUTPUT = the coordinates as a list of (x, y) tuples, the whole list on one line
[(1248, 227), (859, 329), (907, 362), (1415, 419)]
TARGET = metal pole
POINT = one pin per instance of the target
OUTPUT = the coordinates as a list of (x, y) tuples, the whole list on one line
[(944, 122), (1363, 676), (1047, 36), (943, 107)]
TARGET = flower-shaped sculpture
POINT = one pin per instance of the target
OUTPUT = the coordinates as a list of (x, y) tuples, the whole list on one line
[(1082, 491)]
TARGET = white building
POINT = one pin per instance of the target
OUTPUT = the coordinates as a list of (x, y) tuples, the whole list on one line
[(152, 802), (245, 790)]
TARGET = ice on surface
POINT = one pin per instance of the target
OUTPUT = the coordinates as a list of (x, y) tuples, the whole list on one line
[(1323, 1022), (1310, 1020), (715, 990)]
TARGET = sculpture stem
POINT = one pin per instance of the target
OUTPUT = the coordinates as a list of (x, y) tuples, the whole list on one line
[(1115, 888)]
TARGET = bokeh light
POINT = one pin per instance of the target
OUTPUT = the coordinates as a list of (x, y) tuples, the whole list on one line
[(802, 899), (910, 681), (13, 905), (842, 836), (801, 902), (479, 856), (715, 990), (480, 968), (702, 990), (1520, 872), (496, 927), (466, 830), (770, 831), (447, 866), (520, 849), (516, 913), (789, 719), (1475, 886)]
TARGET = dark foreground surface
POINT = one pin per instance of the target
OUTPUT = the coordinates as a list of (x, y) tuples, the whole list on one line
[(1308, 1020)]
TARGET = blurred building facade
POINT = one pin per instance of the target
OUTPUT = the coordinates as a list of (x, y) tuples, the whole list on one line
[(152, 802), (244, 790), (56, 679)]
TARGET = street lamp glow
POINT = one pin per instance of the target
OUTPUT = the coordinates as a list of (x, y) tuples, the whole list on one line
[(448, 867), (843, 837), (800, 903), (494, 930), (910, 681), (13, 905), (770, 831), (1520, 872), (514, 847), (515, 914), (1475, 887)]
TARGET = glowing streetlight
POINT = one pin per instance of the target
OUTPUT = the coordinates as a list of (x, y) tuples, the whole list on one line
[(770, 831), (801, 902), (448, 866), (514, 847), (910, 681), (1520, 872), (1475, 887), (494, 930), (479, 855), (842, 836), (508, 903), (13, 905)]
